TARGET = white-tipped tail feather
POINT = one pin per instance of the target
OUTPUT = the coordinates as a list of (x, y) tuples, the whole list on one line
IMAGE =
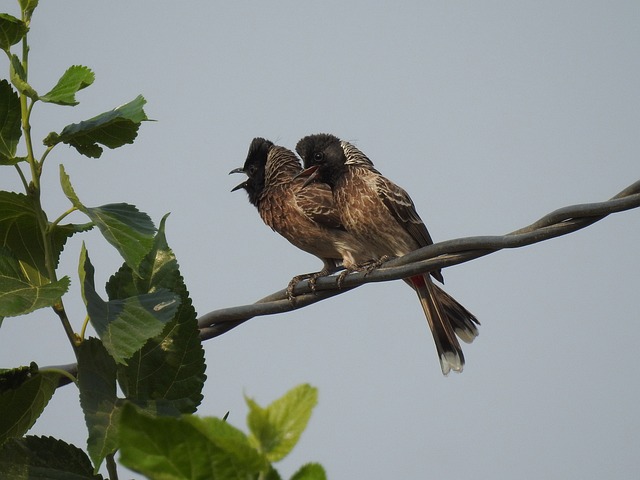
[(446, 318), (451, 361), (464, 323)]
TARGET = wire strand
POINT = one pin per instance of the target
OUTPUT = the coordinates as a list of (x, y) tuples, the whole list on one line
[(439, 255)]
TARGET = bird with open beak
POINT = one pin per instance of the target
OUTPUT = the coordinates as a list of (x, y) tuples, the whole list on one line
[(306, 217)]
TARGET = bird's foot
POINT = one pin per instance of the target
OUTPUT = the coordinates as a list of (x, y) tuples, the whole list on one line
[(292, 285), (312, 277), (374, 265), (343, 274), (360, 267), (366, 267)]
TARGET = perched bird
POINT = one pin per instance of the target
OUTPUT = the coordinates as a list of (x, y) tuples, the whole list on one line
[(383, 218), (306, 217)]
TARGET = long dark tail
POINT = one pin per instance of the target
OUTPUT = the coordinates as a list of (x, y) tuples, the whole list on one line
[(446, 318), (464, 323)]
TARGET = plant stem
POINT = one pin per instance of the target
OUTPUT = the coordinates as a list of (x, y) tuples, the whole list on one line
[(111, 467), (33, 191), (61, 217), (64, 373), (58, 308), (84, 327), (23, 178), (46, 152)]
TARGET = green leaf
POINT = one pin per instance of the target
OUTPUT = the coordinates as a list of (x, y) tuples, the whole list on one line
[(12, 30), (28, 6), (129, 230), (174, 448), (125, 325), (232, 441), (97, 384), (40, 458), (164, 448), (18, 296), (171, 365), (111, 129), (10, 118), (310, 471), (11, 378), (23, 398), (67, 189), (19, 78), (74, 79), (277, 428), (20, 233), (272, 474)]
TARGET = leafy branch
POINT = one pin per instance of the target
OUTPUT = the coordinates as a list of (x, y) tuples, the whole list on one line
[(148, 344)]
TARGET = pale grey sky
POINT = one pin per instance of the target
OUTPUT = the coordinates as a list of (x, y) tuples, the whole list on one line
[(490, 114)]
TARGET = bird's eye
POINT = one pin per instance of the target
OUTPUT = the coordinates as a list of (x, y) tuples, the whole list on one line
[(318, 156), (252, 169)]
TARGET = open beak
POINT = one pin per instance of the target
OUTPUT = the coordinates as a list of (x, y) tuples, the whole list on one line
[(241, 185), (311, 174)]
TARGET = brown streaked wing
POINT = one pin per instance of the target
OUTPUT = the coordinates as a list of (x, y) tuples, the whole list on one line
[(316, 201), (401, 206)]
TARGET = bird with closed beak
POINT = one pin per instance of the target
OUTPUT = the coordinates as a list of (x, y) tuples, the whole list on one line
[(381, 216)]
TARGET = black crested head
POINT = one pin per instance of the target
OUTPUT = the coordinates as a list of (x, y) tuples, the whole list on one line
[(324, 151), (254, 167), (313, 148)]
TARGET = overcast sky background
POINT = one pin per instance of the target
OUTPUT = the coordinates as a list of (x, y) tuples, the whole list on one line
[(490, 114)]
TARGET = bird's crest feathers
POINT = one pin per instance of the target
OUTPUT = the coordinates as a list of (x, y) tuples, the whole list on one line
[(354, 156)]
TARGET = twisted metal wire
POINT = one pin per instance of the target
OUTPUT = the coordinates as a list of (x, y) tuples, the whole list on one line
[(439, 255)]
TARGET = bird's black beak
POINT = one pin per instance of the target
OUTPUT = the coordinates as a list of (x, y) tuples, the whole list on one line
[(241, 185), (311, 174)]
